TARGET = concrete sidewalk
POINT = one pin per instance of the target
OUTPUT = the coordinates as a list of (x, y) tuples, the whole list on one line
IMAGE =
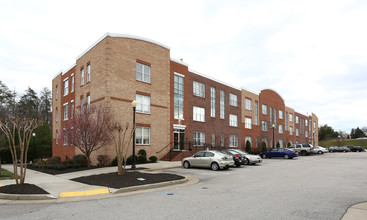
[(356, 212), (61, 185)]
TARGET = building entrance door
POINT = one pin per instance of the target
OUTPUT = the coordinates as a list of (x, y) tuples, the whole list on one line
[(178, 139)]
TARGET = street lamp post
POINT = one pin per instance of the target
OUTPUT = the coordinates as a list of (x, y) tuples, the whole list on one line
[(34, 141), (133, 104), (339, 141), (273, 135)]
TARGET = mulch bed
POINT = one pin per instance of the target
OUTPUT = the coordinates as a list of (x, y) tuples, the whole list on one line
[(113, 180), (22, 189), (56, 172)]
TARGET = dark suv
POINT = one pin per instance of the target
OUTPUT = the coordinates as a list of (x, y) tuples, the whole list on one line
[(355, 148), (237, 158)]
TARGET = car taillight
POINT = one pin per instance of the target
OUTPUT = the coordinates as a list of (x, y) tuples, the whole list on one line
[(236, 157)]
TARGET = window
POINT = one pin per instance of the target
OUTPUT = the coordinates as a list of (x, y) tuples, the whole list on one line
[(281, 143), (280, 129), (66, 86), (275, 116), (290, 117), (179, 97), (222, 140), (143, 104), (233, 141), (72, 109), (199, 89), (297, 132), (199, 138), (88, 73), (271, 115), (66, 113), (213, 139), (264, 109), (81, 105), (306, 134), (233, 99), (256, 113), (142, 72), (248, 104), (248, 123), (221, 102), (72, 83), (280, 114), (56, 115), (212, 101), (65, 137), (306, 122), (57, 137), (286, 120), (142, 135), (290, 130), (264, 125), (198, 114), (233, 120), (81, 77), (88, 103), (57, 93), (264, 140), (297, 119)]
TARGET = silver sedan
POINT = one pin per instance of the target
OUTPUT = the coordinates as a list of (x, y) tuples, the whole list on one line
[(210, 159)]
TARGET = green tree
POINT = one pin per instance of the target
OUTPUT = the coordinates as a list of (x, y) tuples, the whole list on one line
[(28, 104), (327, 132), (45, 105), (357, 133), (6, 97), (264, 148)]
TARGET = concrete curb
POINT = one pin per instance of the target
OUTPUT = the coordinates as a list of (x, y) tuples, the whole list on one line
[(151, 186), (33, 199), (26, 197)]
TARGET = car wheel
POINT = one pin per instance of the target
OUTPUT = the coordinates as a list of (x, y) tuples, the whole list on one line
[(345, 151), (286, 156), (214, 166), (303, 153), (320, 152), (186, 164), (247, 162), (264, 156), (331, 151)]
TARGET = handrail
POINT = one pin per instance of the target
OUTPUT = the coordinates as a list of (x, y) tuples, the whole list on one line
[(163, 148)]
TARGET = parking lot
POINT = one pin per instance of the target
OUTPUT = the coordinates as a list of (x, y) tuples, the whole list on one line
[(310, 187)]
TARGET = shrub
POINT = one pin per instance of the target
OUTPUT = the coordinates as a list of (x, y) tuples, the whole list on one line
[(81, 160), (114, 162), (142, 152), (264, 147), (103, 160), (54, 160), (142, 159), (248, 147), (130, 159), (153, 159)]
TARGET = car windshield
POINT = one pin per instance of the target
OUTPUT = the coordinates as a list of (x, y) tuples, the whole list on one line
[(239, 151)]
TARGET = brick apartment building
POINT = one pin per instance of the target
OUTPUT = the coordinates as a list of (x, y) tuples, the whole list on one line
[(179, 111)]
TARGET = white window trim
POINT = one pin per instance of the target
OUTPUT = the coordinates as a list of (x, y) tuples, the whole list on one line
[(235, 102), (246, 123), (233, 141), (88, 73), (200, 90), (71, 83), (141, 110), (143, 136), (67, 115), (67, 91), (231, 119)]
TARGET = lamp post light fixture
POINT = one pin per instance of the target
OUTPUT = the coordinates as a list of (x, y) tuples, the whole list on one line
[(338, 140), (133, 104), (273, 135)]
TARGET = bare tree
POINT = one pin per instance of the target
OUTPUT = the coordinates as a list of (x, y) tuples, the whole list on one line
[(87, 129), (121, 138), (23, 128)]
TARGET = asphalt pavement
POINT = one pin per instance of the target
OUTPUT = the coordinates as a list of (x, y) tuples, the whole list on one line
[(63, 190)]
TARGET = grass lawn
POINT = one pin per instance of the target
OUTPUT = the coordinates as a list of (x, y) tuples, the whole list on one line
[(335, 142), (6, 175)]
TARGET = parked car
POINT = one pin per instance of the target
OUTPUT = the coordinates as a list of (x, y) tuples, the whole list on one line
[(279, 152), (248, 158), (210, 159), (237, 158), (302, 149), (355, 148), (338, 149), (319, 150)]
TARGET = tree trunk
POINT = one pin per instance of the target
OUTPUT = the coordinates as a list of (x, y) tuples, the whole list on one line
[(119, 165)]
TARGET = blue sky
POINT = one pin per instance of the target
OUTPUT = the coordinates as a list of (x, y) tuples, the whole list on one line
[(313, 53)]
